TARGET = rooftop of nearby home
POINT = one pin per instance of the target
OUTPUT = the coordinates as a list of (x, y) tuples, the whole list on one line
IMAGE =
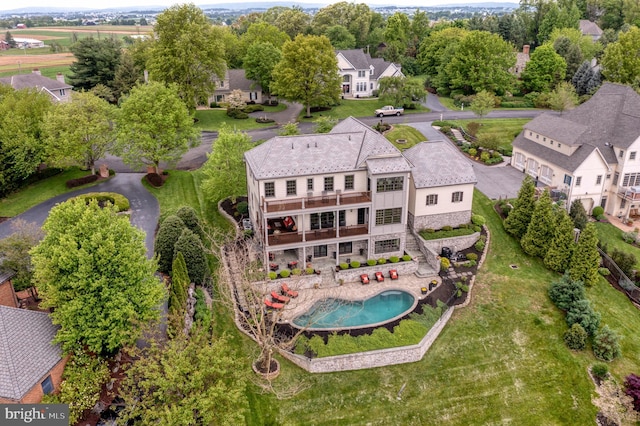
[(438, 163)]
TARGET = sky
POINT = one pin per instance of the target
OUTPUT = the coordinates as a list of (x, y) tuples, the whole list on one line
[(103, 4)]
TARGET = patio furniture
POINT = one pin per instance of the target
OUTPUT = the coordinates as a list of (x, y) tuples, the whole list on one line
[(273, 305), (273, 266), (393, 274), (279, 298), (293, 264), (364, 278), (287, 291), (379, 276)]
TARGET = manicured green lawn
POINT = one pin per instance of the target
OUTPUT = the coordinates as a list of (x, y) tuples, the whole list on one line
[(355, 108), (212, 119), (401, 131), (505, 129), (38, 192), (612, 237)]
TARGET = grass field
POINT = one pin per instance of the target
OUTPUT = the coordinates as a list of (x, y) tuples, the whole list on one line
[(612, 237), (355, 108), (401, 131), (505, 129), (212, 119)]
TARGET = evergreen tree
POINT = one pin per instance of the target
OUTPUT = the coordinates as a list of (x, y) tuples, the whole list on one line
[(561, 247), (191, 248), (586, 80), (518, 220), (582, 313), (578, 214), (178, 295), (9, 39), (190, 219), (565, 292), (585, 259), (540, 230), (166, 239)]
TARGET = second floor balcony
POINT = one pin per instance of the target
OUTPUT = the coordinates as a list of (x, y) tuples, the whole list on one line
[(317, 234), (321, 201)]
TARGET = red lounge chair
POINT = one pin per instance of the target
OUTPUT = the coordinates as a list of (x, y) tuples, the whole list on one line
[(288, 292), (279, 298), (273, 305), (393, 274), (364, 278), (379, 276)]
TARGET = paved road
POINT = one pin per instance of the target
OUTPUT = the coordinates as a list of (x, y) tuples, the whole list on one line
[(144, 206)]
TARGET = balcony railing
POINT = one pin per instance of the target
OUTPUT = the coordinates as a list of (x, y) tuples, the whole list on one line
[(628, 193), (329, 200), (317, 234)]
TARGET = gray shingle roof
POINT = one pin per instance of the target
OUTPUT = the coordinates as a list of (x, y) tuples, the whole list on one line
[(362, 61), (238, 80), (610, 118), (346, 148), (589, 28), (438, 163), (23, 81), (26, 351), (6, 275)]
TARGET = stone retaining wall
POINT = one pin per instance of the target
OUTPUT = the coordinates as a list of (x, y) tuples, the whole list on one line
[(372, 359), (295, 282), (353, 275), (459, 243)]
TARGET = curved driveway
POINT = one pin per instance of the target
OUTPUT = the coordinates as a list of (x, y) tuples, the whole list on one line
[(144, 206)]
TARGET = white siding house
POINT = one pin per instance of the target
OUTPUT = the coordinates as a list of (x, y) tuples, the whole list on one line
[(361, 73)]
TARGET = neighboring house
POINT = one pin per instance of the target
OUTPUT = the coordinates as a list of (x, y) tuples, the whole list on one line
[(30, 364), (590, 29), (348, 191), (361, 73), (57, 89), (521, 60), (589, 153), (237, 80), (7, 293)]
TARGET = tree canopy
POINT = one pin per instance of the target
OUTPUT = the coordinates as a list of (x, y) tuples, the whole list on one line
[(259, 62), (14, 252), (483, 103), (154, 125), (621, 60), (401, 91), (96, 62), (92, 268), (545, 69)]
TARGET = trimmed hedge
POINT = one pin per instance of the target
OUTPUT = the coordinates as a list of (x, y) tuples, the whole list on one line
[(74, 183), (120, 201)]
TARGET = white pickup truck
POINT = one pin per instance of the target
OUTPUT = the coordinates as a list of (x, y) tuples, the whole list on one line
[(389, 110)]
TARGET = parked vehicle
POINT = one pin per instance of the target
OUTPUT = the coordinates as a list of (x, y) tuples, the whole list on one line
[(389, 110)]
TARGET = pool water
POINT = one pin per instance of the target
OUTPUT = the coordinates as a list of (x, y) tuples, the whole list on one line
[(338, 313)]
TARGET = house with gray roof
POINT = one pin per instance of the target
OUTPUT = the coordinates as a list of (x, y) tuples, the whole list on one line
[(31, 364), (589, 153), (237, 80), (57, 89), (351, 191), (361, 73), (590, 29)]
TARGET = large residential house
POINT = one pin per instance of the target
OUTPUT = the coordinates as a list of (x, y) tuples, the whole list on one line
[(237, 80), (361, 73), (589, 153), (351, 191), (57, 89), (590, 29)]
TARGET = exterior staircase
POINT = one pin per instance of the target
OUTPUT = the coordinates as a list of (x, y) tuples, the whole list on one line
[(413, 249)]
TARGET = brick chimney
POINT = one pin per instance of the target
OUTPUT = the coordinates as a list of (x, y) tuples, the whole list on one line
[(525, 49), (36, 71), (60, 78)]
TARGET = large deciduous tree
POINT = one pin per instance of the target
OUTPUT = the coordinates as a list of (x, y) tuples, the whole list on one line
[(518, 220), (14, 252), (187, 51), (483, 102), (356, 17), (225, 174), (92, 268), (96, 62), (436, 51), (261, 59), (544, 71), (621, 60), (80, 132), (400, 91), (308, 72), (154, 125), (262, 32)]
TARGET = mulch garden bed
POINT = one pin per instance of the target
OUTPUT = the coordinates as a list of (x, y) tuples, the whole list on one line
[(232, 208)]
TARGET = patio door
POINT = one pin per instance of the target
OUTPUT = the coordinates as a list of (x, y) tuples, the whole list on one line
[(362, 214), (320, 251)]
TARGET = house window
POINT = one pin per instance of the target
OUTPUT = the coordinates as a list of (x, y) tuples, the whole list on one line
[(616, 176), (530, 133), (631, 179), (348, 182), (390, 184), (537, 136), (371, 86), (342, 221), (269, 189), (62, 93), (456, 197), (253, 96), (578, 180), (291, 187), (544, 139), (328, 183), (346, 78), (386, 246), (322, 220), (559, 145), (47, 385), (362, 73), (567, 180), (388, 216), (621, 154), (608, 176), (432, 199), (361, 87), (632, 155), (598, 179), (310, 184), (551, 142), (345, 248)]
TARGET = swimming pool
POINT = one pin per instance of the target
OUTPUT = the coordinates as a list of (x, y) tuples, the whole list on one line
[(339, 313)]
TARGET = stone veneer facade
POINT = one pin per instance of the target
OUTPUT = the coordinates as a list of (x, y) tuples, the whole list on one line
[(437, 221)]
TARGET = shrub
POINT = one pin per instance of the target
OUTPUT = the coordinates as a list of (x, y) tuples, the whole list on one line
[(344, 266), (473, 152), (630, 237), (382, 261), (264, 120), (242, 207), (309, 271), (302, 344), (74, 183), (285, 273), (372, 262), (626, 261), (394, 259), (597, 211), (429, 230), (253, 108), (485, 156), (446, 228), (237, 114), (406, 258), (600, 371), (272, 275), (190, 219), (190, 246), (154, 179), (444, 263), (476, 228), (168, 234), (565, 292), (472, 256), (354, 264), (118, 200), (202, 314), (575, 337), (213, 105), (296, 271), (606, 344), (632, 385), (506, 210), (582, 313), (473, 127), (479, 245), (477, 219), (604, 272), (471, 264)]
